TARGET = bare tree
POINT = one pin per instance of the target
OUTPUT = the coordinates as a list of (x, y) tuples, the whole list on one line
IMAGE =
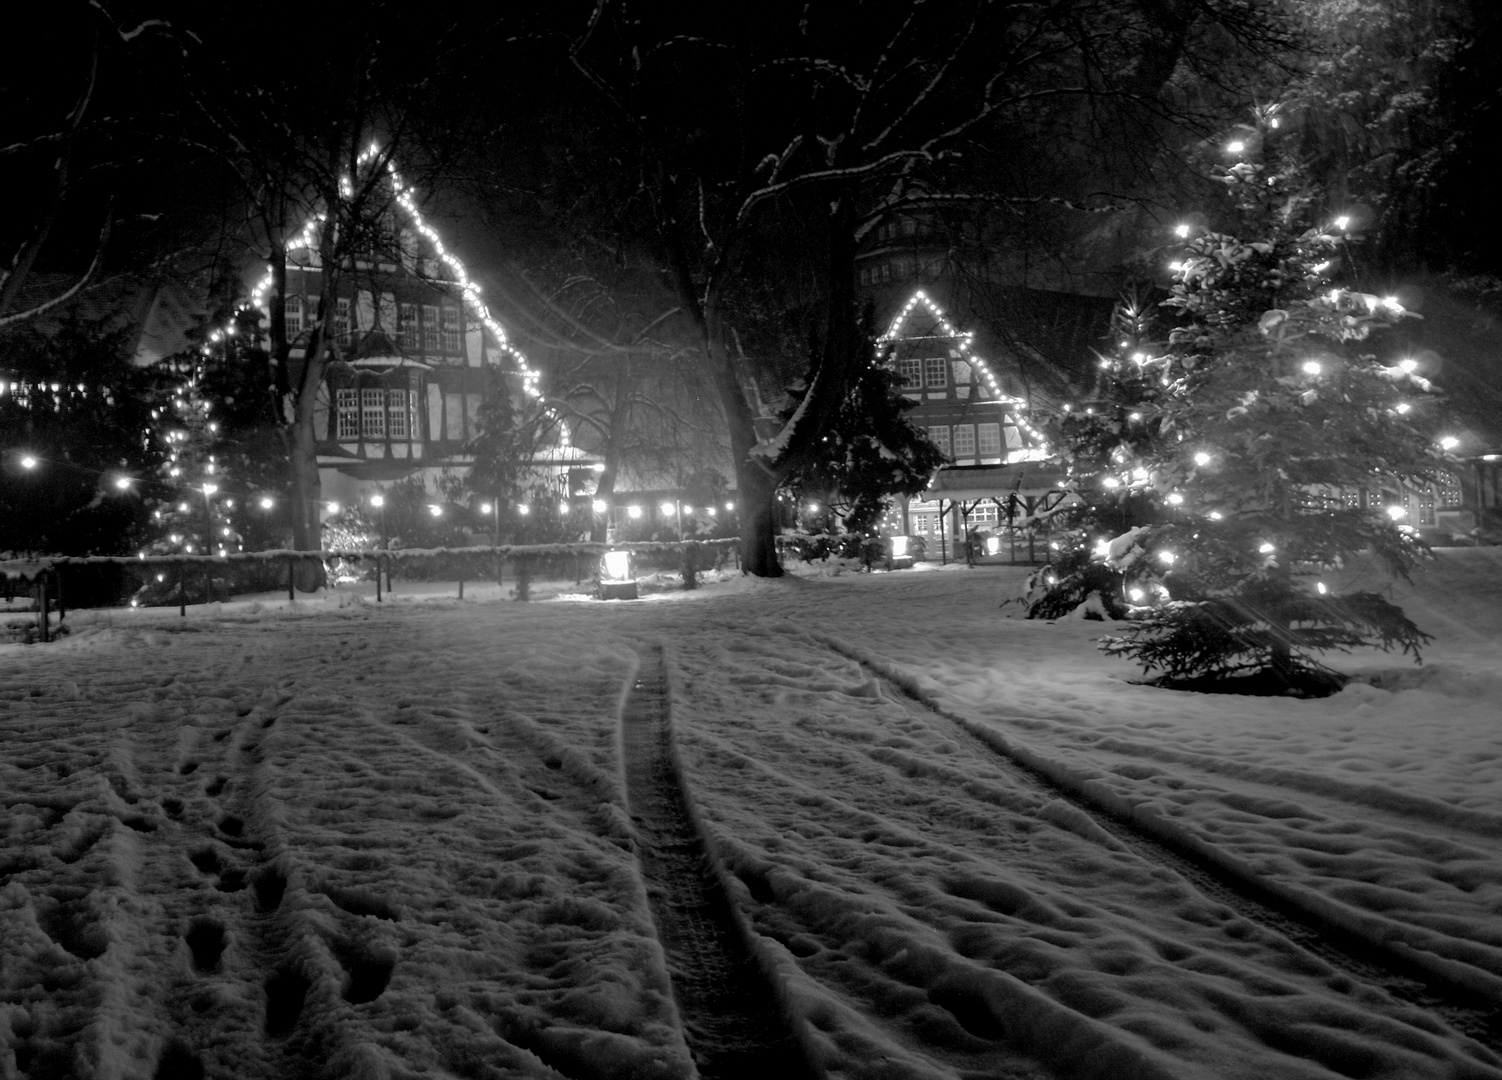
[(753, 148), (55, 137), (310, 141)]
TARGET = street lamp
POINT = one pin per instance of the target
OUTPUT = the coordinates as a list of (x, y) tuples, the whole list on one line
[(379, 502), (208, 517)]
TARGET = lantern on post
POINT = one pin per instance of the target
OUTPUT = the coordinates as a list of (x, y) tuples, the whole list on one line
[(901, 553), (617, 576)]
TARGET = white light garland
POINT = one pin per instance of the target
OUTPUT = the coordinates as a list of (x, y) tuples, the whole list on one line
[(963, 340), (469, 291)]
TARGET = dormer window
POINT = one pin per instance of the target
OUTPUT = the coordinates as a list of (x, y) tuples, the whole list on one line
[(294, 311)]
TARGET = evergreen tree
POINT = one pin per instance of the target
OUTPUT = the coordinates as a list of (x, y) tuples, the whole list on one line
[(870, 452), (1229, 466), (73, 409), (503, 473)]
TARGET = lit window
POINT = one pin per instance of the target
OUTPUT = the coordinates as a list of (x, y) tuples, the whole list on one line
[(430, 328), (398, 414), (406, 325), (373, 413), (939, 436), (347, 404), (911, 372), (989, 440), (964, 440), (935, 371), (293, 308), (341, 320), (451, 341)]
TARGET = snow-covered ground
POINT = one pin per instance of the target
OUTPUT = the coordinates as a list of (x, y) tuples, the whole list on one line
[(336, 838)]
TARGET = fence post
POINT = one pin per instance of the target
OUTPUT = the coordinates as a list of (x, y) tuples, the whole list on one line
[(182, 588), (378, 579), (42, 604), (291, 576)]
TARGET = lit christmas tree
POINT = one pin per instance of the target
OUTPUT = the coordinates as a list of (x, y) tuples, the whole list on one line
[(206, 495), (1230, 467)]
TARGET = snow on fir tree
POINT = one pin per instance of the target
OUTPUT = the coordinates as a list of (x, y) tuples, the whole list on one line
[(196, 498), (1230, 466)]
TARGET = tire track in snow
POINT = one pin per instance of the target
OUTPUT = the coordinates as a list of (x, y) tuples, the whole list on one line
[(734, 1027), (1377, 963)]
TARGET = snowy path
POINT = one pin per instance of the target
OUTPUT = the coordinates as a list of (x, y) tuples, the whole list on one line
[(730, 1014), (352, 840), (1367, 958)]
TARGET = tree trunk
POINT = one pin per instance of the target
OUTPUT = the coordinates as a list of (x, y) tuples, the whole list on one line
[(758, 504), (306, 494)]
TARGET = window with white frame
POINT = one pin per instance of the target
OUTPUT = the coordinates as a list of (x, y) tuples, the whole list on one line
[(939, 436), (341, 320), (911, 372), (988, 440), (430, 328), (406, 326), (347, 410), (451, 342), (935, 370), (964, 440), (399, 414), (373, 413), (984, 514), (293, 307)]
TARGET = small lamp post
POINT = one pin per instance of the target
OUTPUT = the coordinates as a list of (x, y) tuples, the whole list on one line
[(617, 576)]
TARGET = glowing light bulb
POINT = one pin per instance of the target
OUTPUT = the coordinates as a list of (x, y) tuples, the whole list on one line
[(1136, 594), (333, 508), (266, 503), (1449, 442), (1409, 365), (1397, 513), (1202, 458), (28, 462), (1342, 222), (523, 509), (1312, 367), (485, 508), (666, 509), (1181, 230), (122, 482), (598, 506), (633, 511), (1215, 515), (1175, 499), (435, 510), (1236, 146), (1166, 557), (1320, 585), (1266, 548), (378, 500), (1402, 407)]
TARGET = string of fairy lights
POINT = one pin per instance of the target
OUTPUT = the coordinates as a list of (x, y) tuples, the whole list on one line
[(963, 343), (187, 408)]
